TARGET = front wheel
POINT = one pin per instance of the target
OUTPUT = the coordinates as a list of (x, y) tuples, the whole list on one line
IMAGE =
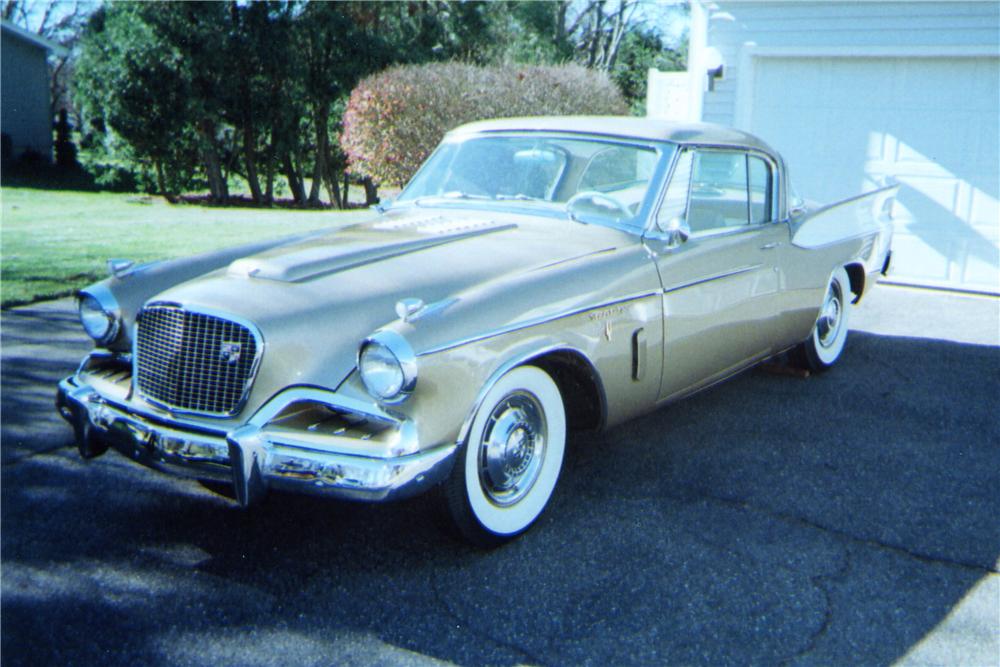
[(508, 467), (829, 335)]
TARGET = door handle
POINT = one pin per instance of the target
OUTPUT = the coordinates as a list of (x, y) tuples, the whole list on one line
[(770, 246)]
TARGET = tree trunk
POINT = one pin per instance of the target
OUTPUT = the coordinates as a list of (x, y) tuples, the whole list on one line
[(333, 186), (294, 181), (213, 169), (318, 162), (559, 29), (161, 182), (249, 144), (597, 31), (317, 179), (347, 189), (269, 175), (322, 174), (614, 43), (371, 191)]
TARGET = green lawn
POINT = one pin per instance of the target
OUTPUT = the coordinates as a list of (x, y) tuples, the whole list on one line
[(55, 242)]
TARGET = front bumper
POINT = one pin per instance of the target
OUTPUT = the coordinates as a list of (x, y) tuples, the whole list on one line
[(253, 457)]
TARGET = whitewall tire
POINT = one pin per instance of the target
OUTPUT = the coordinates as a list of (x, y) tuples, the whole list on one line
[(508, 467), (829, 335)]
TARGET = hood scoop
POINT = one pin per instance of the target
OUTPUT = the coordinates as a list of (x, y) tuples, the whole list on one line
[(299, 265)]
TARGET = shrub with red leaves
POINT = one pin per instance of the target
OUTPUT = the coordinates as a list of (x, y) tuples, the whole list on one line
[(394, 119)]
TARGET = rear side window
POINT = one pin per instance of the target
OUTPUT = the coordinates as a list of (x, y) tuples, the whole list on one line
[(719, 193), (716, 190)]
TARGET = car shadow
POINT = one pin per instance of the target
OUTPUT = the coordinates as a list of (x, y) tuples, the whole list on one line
[(771, 519)]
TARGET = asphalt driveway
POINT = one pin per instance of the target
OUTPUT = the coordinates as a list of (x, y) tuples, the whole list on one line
[(847, 518)]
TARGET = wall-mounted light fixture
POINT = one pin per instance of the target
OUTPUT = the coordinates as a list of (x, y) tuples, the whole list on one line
[(714, 74), (714, 66)]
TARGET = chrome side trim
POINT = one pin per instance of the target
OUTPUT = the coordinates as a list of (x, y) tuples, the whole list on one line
[(525, 324), (567, 260), (706, 279), (211, 312)]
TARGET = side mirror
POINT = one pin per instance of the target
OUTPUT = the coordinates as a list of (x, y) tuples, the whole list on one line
[(676, 231)]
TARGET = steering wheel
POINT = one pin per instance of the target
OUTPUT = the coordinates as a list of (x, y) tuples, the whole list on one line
[(596, 197)]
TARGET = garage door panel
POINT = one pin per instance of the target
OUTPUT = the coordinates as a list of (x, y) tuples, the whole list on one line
[(931, 123), (984, 209), (979, 269), (985, 139), (931, 254), (928, 201)]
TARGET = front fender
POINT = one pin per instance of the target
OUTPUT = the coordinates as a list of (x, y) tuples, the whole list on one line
[(452, 381)]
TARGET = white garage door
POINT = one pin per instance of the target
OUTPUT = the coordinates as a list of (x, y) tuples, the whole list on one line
[(844, 123)]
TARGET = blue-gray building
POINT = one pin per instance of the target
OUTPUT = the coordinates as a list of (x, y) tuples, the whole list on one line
[(25, 104)]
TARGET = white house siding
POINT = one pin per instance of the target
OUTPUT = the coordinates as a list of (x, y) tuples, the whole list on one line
[(25, 109), (852, 92)]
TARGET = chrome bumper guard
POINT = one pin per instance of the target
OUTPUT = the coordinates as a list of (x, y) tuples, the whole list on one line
[(249, 457)]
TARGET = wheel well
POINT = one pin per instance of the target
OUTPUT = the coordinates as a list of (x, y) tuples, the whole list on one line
[(580, 386), (856, 274)]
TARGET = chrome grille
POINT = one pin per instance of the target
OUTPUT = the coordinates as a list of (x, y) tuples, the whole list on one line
[(194, 361)]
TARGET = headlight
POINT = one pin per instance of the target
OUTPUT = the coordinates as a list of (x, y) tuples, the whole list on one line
[(388, 366), (99, 316)]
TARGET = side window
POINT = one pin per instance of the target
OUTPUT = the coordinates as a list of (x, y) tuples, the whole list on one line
[(718, 191), (760, 191), (675, 201)]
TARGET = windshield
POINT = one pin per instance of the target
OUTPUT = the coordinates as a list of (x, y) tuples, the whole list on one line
[(589, 179)]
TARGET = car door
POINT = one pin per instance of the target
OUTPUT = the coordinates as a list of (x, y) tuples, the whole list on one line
[(720, 285)]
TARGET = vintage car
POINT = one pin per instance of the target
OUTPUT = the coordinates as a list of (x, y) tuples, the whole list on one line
[(537, 276)]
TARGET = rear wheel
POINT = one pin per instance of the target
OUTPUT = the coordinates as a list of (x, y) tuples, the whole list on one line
[(829, 335), (508, 468)]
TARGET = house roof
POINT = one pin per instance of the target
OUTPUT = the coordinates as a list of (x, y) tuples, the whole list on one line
[(10, 30), (651, 129)]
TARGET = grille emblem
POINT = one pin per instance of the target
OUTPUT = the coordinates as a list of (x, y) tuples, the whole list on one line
[(229, 352)]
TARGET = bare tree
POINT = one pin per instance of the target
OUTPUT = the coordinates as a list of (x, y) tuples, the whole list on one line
[(597, 28)]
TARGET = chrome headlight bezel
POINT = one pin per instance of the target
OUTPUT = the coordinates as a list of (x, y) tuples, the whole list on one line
[(390, 349), (99, 314)]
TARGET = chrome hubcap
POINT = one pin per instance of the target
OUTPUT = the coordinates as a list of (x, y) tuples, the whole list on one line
[(512, 448), (828, 324)]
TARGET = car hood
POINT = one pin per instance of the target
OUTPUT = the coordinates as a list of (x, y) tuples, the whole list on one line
[(316, 300)]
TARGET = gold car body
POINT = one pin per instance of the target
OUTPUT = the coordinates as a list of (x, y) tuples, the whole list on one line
[(624, 318)]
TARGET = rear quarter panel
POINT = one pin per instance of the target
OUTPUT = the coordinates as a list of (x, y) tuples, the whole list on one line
[(857, 231)]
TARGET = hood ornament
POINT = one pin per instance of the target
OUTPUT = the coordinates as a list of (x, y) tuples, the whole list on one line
[(408, 308), (119, 268)]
